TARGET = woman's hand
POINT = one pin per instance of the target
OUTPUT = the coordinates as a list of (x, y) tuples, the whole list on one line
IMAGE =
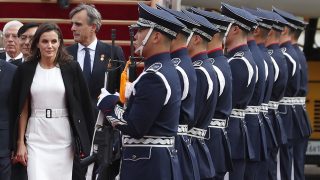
[(22, 154)]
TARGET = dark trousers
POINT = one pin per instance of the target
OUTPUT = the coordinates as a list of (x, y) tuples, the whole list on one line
[(219, 176), (251, 171), (19, 172), (262, 173), (272, 164), (239, 166), (299, 151), (5, 168), (286, 153)]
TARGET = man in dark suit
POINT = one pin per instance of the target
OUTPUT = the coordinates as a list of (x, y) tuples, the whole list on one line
[(93, 56), (11, 43), (6, 75), (86, 22)]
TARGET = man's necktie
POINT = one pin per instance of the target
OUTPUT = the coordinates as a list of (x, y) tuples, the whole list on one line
[(87, 65)]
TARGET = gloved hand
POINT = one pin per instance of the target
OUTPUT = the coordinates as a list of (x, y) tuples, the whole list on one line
[(107, 101)]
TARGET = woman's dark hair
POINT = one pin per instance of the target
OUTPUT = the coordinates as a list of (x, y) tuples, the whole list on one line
[(62, 56)]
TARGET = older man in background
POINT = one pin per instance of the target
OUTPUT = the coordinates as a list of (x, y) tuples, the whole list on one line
[(11, 42)]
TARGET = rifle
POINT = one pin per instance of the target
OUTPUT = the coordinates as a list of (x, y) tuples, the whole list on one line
[(129, 74), (132, 66), (103, 145)]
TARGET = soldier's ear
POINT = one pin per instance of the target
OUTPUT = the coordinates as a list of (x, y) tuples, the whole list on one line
[(156, 37), (285, 31), (256, 31), (197, 39)]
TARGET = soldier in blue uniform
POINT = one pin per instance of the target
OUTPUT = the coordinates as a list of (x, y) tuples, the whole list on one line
[(217, 138), (301, 144), (255, 120), (286, 108), (188, 81), (206, 93), (266, 24), (150, 121), (279, 87), (243, 70)]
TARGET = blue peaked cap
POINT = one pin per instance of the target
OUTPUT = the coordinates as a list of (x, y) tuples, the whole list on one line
[(279, 21), (264, 20), (206, 29), (161, 20), (291, 19), (190, 24), (241, 17), (221, 22)]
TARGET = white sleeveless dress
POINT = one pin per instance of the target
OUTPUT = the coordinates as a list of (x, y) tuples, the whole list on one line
[(49, 140)]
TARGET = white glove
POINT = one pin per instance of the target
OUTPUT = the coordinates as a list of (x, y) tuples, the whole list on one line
[(129, 89)]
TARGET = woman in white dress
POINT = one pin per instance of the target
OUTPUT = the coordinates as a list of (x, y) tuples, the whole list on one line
[(52, 111)]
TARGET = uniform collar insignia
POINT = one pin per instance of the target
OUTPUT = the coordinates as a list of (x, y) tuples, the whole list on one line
[(176, 61), (197, 63), (211, 60), (154, 67), (239, 54)]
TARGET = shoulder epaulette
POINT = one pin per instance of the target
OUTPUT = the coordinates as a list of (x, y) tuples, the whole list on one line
[(154, 67), (197, 63), (270, 52), (176, 61)]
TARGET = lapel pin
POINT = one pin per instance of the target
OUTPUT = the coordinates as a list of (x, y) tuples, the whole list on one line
[(102, 57)]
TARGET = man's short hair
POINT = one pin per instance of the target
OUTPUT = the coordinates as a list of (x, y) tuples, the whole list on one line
[(25, 28), (94, 16), (11, 24)]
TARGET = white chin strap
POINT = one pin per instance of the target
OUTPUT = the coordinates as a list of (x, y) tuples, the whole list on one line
[(224, 40), (189, 38), (144, 42)]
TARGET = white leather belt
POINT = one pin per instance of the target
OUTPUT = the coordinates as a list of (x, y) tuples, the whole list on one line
[(273, 105), (264, 107), (197, 133), (182, 129), (218, 123), (293, 101), (147, 141), (252, 109), (300, 101), (49, 113), (286, 101), (238, 113)]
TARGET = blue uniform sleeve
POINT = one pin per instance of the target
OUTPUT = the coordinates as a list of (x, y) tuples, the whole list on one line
[(293, 79), (146, 106), (239, 82), (201, 96)]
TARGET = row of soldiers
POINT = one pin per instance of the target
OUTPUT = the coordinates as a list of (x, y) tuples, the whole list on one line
[(198, 112)]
